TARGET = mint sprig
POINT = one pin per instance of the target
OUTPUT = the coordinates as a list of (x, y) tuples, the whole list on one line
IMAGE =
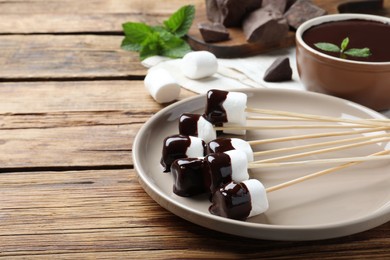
[(166, 40), (354, 52)]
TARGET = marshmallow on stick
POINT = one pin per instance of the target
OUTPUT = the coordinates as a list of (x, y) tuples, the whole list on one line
[(226, 144), (249, 198), (240, 200), (193, 176), (225, 167), (181, 146), (196, 125), (221, 145), (226, 108), (188, 177), (228, 111)]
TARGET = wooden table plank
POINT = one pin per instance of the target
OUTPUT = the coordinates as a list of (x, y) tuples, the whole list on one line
[(66, 56), (77, 96), (77, 124), (91, 6), (104, 213), (82, 16)]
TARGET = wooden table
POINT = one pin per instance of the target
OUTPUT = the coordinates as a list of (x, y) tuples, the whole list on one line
[(71, 103)]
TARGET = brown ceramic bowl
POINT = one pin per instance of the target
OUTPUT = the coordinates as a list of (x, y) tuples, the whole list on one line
[(364, 82)]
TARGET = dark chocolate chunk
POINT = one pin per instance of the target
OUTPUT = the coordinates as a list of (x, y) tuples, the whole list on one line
[(279, 70), (265, 25), (230, 12), (213, 32), (301, 11), (231, 201), (188, 177)]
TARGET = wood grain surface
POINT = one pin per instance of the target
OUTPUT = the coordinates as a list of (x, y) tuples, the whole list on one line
[(71, 103)]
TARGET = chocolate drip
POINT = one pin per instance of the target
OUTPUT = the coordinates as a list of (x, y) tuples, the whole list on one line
[(218, 170), (215, 112), (188, 176), (175, 147), (232, 201), (220, 145), (188, 124)]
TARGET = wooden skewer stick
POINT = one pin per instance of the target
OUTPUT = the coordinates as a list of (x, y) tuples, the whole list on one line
[(291, 118), (319, 173), (325, 150), (317, 135), (314, 145), (320, 161), (317, 117), (264, 127)]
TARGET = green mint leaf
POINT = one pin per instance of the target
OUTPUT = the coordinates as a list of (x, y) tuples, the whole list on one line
[(363, 53), (129, 45), (180, 22), (172, 46), (325, 46), (344, 44), (136, 32), (178, 51), (151, 46), (148, 51), (160, 40)]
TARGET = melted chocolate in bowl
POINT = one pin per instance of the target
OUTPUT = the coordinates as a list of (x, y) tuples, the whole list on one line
[(362, 33), (364, 80)]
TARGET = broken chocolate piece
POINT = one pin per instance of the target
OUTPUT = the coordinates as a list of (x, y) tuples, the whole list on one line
[(279, 70), (230, 12), (265, 25), (301, 11), (213, 32)]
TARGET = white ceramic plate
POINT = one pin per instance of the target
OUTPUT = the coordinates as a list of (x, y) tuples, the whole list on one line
[(338, 204)]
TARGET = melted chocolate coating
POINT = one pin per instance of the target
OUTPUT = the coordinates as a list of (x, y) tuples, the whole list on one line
[(215, 113), (231, 201), (175, 147), (188, 176), (218, 168), (188, 124), (220, 145)]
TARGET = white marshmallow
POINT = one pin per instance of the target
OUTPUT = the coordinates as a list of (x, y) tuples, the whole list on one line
[(239, 164), (259, 200), (196, 148), (244, 146), (206, 130), (161, 85), (199, 64), (235, 105)]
